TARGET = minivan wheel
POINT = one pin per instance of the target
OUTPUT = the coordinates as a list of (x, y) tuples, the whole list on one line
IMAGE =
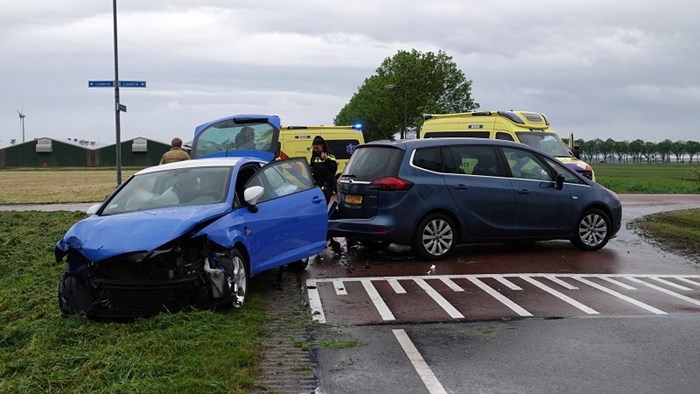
[(435, 237), (592, 230)]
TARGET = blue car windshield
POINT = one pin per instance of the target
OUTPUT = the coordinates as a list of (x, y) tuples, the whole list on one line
[(547, 142), (171, 188)]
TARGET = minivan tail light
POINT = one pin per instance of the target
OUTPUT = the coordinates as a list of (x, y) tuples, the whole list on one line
[(391, 183)]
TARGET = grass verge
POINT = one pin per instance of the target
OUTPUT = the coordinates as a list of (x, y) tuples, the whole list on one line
[(673, 231), (40, 351)]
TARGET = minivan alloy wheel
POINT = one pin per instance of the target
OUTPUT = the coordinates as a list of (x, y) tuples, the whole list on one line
[(435, 238), (592, 230)]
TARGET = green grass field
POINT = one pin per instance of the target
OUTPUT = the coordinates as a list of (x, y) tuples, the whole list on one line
[(40, 351), (649, 178)]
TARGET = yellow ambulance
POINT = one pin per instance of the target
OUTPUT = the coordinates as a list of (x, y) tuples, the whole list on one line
[(529, 128), (295, 141)]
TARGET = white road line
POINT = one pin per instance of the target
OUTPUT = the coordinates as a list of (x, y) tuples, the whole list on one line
[(621, 296), (686, 280), (452, 285), (315, 301), (561, 296), (382, 308), (339, 287), (507, 283), (561, 282), (665, 291), (616, 282), (394, 283), (500, 297), (426, 374), (454, 313), (667, 283)]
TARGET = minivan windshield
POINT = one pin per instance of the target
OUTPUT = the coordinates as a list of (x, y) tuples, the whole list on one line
[(547, 142), (370, 163)]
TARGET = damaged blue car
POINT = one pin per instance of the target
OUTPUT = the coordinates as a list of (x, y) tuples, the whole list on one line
[(191, 234)]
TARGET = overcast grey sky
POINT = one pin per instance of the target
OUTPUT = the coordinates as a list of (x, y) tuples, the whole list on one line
[(623, 69)]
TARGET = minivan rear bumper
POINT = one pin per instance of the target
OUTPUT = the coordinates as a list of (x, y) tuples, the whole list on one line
[(376, 228)]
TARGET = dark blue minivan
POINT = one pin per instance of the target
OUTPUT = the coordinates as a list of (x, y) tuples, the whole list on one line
[(434, 194)]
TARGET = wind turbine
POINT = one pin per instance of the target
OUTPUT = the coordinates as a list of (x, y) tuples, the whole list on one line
[(21, 121)]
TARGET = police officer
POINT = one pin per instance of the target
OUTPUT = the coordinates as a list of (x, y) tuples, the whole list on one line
[(323, 169)]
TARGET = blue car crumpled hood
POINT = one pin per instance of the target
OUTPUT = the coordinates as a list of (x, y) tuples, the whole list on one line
[(101, 237)]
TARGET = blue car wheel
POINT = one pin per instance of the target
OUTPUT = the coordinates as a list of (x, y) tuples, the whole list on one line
[(238, 284)]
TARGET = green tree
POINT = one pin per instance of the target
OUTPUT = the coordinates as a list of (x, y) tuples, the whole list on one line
[(664, 149), (636, 148), (404, 87), (693, 148), (678, 149)]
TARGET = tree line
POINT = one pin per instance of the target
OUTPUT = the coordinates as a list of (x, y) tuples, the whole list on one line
[(637, 151)]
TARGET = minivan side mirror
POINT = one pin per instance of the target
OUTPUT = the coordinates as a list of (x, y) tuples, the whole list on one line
[(559, 183)]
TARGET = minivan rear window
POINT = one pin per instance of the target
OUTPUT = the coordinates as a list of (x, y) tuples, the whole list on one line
[(370, 163)]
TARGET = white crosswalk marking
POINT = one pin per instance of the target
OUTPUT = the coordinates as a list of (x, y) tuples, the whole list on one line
[(454, 313), (500, 297), (589, 281), (507, 283), (561, 282), (667, 283), (686, 280), (339, 287), (561, 296), (398, 289), (382, 308), (621, 296), (618, 283), (666, 291)]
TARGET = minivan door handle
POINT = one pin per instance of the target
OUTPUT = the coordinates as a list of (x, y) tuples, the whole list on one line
[(523, 191), (461, 187)]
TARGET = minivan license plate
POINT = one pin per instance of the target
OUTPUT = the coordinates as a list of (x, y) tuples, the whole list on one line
[(353, 199)]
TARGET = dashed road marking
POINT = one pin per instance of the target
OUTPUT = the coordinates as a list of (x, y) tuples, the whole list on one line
[(386, 314)]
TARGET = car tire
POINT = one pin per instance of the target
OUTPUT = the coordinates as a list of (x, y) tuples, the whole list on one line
[(592, 231), (435, 237), (73, 295), (299, 265), (238, 284)]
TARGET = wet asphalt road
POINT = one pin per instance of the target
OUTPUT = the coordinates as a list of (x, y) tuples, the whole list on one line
[(539, 317)]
